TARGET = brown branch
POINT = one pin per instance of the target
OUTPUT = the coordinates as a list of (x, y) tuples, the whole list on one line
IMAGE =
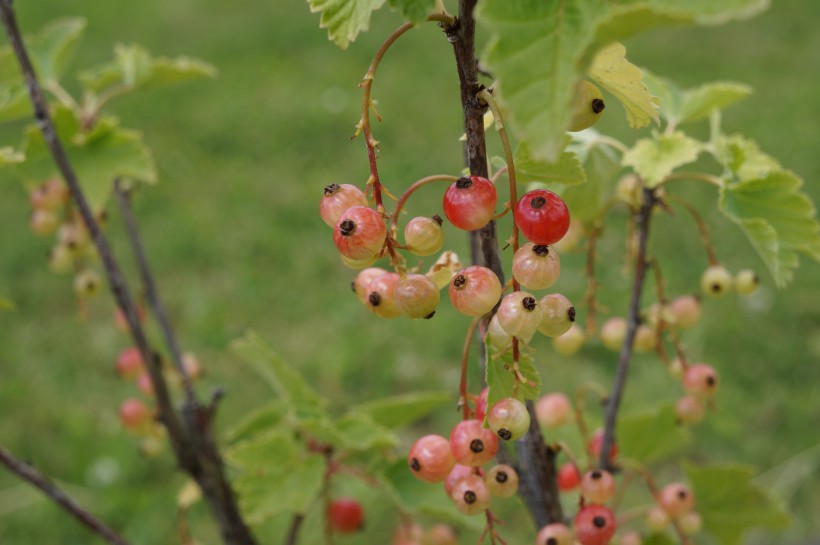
[(293, 532), (28, 473), (189, 432), (644, 216)]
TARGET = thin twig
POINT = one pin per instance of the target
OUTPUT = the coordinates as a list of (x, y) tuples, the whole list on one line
[(703, 229), (295, 525), (644, 217), (28, 473)]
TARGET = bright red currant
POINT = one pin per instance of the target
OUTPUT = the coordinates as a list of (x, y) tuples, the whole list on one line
[(596, 442), (568, 477), (360, 233), (594, 525), (345, 515), (469, 203), (542, 216)]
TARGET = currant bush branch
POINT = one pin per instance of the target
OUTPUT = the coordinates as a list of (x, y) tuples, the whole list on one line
[(40, 481), (703, 229)]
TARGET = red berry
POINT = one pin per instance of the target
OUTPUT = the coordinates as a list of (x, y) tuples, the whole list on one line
[(685, 311), (144, 384), (129, 363), (134, 414), (613, 333), (363, 279), (700, 380), (676, 499), (360, 233), (597, 486), (470, 202), (472, 444), (474, 291), (568, 477), (440, 534), (689, 410), (594, 525), (553, 410), (381, 296), (481, 404), (597, 441), (542, 216), (337, 199), (430, 459), (456, 474), (345, 515)]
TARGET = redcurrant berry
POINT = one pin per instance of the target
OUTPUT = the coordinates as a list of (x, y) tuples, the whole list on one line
[(471, 495), (469, 203), (134, 414), (542, 216), (417, 296), (359, 233), (502, 481), (536, 267), (594, 525), (430, 458), (362, 281), (553, 410), (381, 297), (472, 444), (509, 419), (475, 290), (685, 311), (689, 410), (676, 499), (129, 363), (519, 314), (597, 486), (338, 198), (568, 477), (345, 515), (596, 442), (424, 236), (554, 534), (700, 380)]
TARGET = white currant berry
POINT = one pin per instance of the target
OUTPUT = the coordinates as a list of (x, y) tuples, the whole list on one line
[(557, 315), (519, 314), (657, 519), (475, 290), (499, 339), (644, 339), (569, 343), (587, 106), (424, 236), (746, 282), (553, 410), (676, 499), (536, 267), (685, 311), (554, 534), (417, 296), (597, 486), (716, 280), (509, 418), (87, 283), (358, 264), (337, 199), (502, 481), (689, 410), (471, 495), (691, 523), (381, 296), (613, 333)]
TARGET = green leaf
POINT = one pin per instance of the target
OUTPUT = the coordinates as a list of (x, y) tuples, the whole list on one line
[(359, 432), (501, 378), (778, 218), (281, 377), (52, 47), (400, 410), (539, 50), (699, 102), (10, 156), (743, 158), (624, 80), (98, 156), (667, 92), (566, 170), (14, 103), (258, 422), (655, 158), (134, 68), (652, 435), (731, 504), (658, 539), (414, 10), (344, 19), (275, 476)]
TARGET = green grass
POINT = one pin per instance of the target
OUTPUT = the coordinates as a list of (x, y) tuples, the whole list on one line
[(236, 243)]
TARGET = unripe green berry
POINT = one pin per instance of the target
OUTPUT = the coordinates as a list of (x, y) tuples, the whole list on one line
[(716, 281), (746, 282), (509, 419)]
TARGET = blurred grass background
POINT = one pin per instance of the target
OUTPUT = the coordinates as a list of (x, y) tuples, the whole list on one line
[(236, 242)]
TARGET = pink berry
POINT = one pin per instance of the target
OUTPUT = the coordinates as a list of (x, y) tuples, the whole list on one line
[(381, 296), (613, 333), (509, 419), (44, 222), (134, 414), (596, 442), (685, 311), (424, 236), (430, 458), (630, 538), (689, 410), (657, 519), (362, 281), (594, 525), (474, 291), (144, 384), (469, 203), (557, 315), (191, 365), (471, 495), (456, 474), (553, 410), (360, 233), (568, 477), (345, 515), (417, 296), (597, 486), (700, 380), (519, 314), (676, 499), (338, 198), (502, 481), (542, 216), (440, 534), (51, 195), (129, 363), (481, 404), (554, 534), (472, 444), (407, 533), (536, 267)]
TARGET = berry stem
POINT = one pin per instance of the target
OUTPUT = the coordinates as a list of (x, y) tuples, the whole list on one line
[(644, 216), (40, 481), (592, 283), (580, 420), (705, 239), (409, 191), (660, 295), (293, 532), (465, 358)]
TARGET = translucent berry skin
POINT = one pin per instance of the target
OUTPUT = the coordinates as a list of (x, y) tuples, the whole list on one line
[(502, 481), (481, 404), (676, 499), (509, 419), (358, 264), (596, 442), (613, 333), (424, 236), (44, 222), (471, 444), (746, 282), (359, 233), (51, 195), (571, 342), (134, 414), (519, 314), (597, 486), (129, 363), (644, 339), (362, 281), (471, 495), (685, 311), (557, 315), (689, 410), (474, 291), (716, 281), (657, 519), (417, 296), (338, 198), (381, 296), (430, 458), (87, 283), (594, 525), (499, 339), (456, 474), (587, 106), (554, 534), (700, 380), (568, 477), (691, 523), (345, 515), (553, 410), (536, 267), (542, 216), (469, 203), (572, 239)]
